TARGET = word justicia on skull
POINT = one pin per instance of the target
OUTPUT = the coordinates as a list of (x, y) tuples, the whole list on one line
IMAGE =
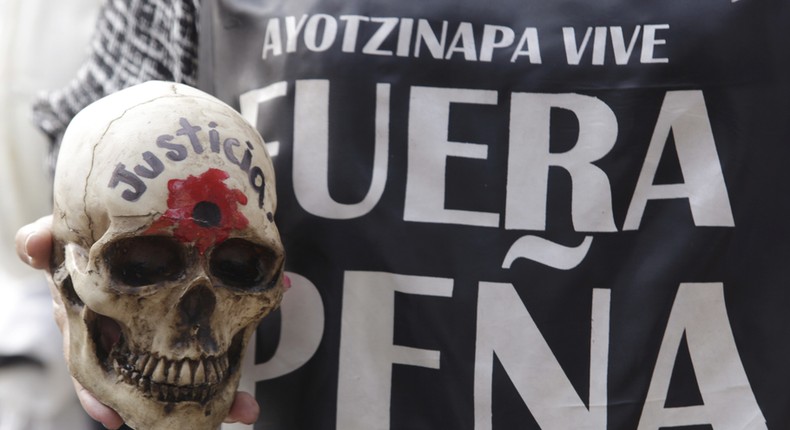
[(177, 150)]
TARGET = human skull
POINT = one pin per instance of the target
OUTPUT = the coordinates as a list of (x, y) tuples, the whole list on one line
[(166, 255)]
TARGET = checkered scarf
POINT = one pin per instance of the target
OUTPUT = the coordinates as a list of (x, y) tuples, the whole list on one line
[(134, 41)]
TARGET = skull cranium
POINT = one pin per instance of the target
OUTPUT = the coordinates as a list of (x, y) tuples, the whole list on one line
[(166, 254)]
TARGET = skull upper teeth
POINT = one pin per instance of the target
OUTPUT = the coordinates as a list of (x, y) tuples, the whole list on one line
[(171, 380)]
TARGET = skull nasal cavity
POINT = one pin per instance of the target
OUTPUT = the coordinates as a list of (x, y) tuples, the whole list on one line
[(197, 305), (207, 214)]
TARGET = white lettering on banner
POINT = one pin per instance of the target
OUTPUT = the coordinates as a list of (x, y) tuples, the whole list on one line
[(547, 252), (366, 349), (373, 47), (272, 39), (575, 49), (528, 46), (444, 40), (530, 159), (351, 34), (292, 30), (700, 314), (301, 330), (622, 53), (650, 43), (683, 113), (320, 42), (426, 36), (495, 37), (532, 366), (311, 152), (429, 117), (463, 42), (367, 354)]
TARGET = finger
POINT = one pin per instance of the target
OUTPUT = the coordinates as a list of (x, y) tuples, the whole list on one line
[(34, 242), (244, 409), (96, 409)]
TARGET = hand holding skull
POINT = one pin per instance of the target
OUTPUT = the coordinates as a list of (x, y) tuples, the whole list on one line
[(165, 252), (33, 245)]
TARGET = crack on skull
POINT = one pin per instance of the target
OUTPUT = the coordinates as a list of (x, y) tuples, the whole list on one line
[(88, 180)]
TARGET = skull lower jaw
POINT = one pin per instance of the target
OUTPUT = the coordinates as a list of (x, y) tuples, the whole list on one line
[(97, 342), (163, 379), (168, 380)]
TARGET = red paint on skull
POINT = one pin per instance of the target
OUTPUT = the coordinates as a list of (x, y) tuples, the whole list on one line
[(201, 210)]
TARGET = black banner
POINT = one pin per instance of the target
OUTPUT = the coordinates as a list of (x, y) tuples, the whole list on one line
[(520, 214)]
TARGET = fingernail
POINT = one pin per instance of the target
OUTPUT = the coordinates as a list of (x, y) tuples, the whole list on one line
[(27, 248)]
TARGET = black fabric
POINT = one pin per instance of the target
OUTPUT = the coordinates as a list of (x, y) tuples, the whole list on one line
[(690, 294)]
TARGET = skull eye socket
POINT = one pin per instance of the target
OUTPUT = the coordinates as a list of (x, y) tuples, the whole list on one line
[(145, 260), (242, 264)]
